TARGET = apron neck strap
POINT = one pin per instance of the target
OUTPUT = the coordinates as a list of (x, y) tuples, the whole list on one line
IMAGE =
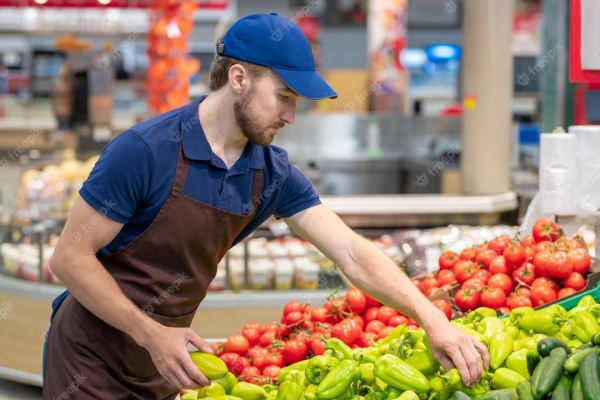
[(181, 171)]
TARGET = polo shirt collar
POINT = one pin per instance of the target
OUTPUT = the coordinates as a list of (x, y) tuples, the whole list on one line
[(196, 146)]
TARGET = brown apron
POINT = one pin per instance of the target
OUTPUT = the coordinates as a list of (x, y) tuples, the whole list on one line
[(165, 271)]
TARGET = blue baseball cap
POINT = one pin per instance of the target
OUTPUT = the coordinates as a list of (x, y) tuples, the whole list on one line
[(276, 42)]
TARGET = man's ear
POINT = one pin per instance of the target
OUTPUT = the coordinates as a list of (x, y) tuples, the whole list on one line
[(237, 78)]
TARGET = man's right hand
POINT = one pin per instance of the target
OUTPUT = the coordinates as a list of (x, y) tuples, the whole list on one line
[(168, 349)]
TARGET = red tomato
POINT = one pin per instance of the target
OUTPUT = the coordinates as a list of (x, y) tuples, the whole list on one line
[(524, 274), (529, 254), (528, 241), (483, 274), (523, 291), (234, 362), (252, 335), (429, 283), (293, 306), (448, 259), (501, 281), (544, 281), (467, 299), (317, 346), (272, 372), (493, 297), (445, 277), (397, 320), (467, 255), (384, 332), (413, 327), (365, 338), (356, 299), (254, 325), (498, 244), (249, 372), (541, 295), (464, 270), (541, 246), (360, 322), (560, 265), (218, 348), (498, 266), (294, 318), (294, 351), (302, 336), (346, 331), (267, 338), (515, 301), (370, 314), (575, 281), (320, 314), (385, 313), (237, 344), (485, 257), (562, 244), (473, 283), (273, 358), (273, 327), (338, 307), (419, 285), (324, 328), (444, 306), (256, 352), (514, 255), (581, 260), (565, 292), (504, 310), (540, 262), (371, 302), (374, 326), (479, 248), (544, 230)]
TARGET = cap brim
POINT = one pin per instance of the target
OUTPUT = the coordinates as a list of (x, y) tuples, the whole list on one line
[(307, 84)]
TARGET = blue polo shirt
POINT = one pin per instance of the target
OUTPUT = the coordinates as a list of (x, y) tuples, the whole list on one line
[(134, 176)]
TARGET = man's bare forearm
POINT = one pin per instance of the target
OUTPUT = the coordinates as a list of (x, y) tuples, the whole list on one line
[(372, 271), (96, 290)]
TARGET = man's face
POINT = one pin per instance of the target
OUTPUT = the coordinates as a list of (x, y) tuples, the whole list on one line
[(264, 107)]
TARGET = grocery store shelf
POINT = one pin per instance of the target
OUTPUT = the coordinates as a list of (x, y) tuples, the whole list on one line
[(421, 204)]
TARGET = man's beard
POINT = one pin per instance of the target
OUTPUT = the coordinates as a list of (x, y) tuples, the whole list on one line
[(244, 119)]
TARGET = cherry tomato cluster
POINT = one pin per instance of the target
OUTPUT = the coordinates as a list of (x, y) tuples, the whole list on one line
[(258, 352), (506, 273)]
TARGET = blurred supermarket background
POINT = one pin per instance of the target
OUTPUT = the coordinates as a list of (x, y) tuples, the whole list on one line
[(432, 145)]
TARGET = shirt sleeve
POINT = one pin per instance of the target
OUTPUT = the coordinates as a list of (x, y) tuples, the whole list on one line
[(121, 179), (297, 194)]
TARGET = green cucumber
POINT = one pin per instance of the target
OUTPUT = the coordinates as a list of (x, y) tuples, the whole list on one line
[(572, 363), (576, 392), (548, 373), (545, 346), (595, 340), (533, 359), (503, 394), (524, 390), (562, 391), (590, 381)]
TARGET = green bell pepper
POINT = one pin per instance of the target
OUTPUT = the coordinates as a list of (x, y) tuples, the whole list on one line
[(574, 311), (408, 395), (299, 366), (584, 326), (249, 391), (369, 354), (519, 312), (477, 315), (273, 395), (339, 348), (422, 344), (309, 393), (490, 326), (297, 376), (501, 345), (375, 396), (595, 311), (366, 373), (338, 380), (214, 390), (513, 332), (399, 374), (424, 362), (392, 393), (473, 333), (517, 361), (586, 302), (289, 390), (228, 382), (453, 381), (567, 330), (318, 368), (575, 343), (547, 322), (505, 378)]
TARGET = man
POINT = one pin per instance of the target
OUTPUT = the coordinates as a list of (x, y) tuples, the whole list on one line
[(170, 196)]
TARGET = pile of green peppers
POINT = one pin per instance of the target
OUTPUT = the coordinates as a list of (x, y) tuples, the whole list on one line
[(402, 367)]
